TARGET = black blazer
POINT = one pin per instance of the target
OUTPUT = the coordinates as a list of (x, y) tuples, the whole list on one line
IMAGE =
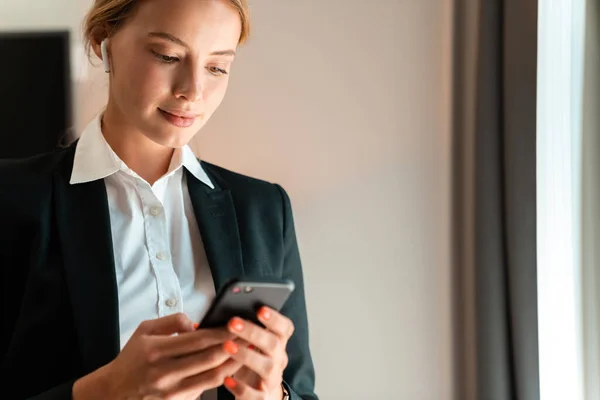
[(59, 309)]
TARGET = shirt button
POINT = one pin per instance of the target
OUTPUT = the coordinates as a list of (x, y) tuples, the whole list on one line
[(161, 256), (171, 302), (155, 211)]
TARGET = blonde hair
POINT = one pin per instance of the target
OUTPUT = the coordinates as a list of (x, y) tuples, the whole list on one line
[(105, 17)]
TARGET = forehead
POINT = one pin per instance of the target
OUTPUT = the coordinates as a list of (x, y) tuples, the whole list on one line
[(199, 23)]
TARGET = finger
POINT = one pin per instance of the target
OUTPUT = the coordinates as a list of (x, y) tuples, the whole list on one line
[(197, 384), (265, 340), (242, 390), (195, 363), (269, 369), (175, 323), (276, 322), (247, 375), (190, 342)]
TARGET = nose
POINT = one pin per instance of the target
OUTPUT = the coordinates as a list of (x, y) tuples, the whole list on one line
[(191, 86)]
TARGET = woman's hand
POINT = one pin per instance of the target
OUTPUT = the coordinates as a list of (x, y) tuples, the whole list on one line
[(266, 358), (155, 364)]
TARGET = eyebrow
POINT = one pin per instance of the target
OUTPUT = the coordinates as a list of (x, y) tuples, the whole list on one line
[(176, 40)]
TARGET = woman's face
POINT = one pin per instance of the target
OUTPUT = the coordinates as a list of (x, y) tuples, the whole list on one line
[(170, 60)]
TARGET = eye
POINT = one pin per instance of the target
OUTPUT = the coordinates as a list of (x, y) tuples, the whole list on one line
[(164, 58), (216, 71)]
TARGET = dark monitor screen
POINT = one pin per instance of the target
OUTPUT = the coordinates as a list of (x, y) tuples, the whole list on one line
[(35, 92)]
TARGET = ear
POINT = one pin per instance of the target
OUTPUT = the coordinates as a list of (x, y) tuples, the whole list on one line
[(95, 45), (97, 36)]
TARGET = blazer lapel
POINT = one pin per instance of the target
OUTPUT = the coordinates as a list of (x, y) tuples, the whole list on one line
[(217, 221), (84, 229)]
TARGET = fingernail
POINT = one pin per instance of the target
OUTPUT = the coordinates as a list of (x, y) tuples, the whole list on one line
[(265, 313), (236, 324), (230, 382), (230, 347), (196, 326)]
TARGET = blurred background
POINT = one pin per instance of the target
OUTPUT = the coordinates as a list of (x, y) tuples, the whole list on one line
[(371, 115)]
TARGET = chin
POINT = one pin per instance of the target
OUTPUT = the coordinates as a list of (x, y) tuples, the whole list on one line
[(171, 136), (172, 140)]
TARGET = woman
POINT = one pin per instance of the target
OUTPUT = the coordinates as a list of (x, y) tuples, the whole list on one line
[(114, 247)]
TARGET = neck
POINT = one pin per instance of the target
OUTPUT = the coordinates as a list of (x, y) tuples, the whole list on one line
[(134, 148)]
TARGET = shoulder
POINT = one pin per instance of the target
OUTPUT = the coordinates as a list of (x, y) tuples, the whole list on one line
[(31, 169), (250, 191), (244, 185), (27, 181)]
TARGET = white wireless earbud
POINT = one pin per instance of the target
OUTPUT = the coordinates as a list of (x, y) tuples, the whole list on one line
[(105, 56)]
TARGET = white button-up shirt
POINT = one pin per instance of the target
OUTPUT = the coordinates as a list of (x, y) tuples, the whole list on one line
[(160, 261)]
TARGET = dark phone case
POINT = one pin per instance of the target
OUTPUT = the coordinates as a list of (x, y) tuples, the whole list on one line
[(228, 304)]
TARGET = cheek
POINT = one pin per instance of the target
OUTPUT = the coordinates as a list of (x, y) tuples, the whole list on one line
[(145, 83)]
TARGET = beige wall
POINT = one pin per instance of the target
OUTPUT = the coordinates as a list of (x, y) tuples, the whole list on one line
[(345, 103)]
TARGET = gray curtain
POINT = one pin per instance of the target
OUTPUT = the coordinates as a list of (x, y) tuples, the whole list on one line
[(496, 233)]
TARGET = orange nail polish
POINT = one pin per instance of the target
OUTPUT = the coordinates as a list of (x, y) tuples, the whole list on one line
[(236, 324), (196, 326), (265, 313), (230, 382), (230, 347)]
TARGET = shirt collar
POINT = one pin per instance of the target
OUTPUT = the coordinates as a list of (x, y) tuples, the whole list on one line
[(95, 159)]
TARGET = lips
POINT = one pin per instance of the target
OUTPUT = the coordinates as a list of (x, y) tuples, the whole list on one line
[(181, 119), (181, 114)]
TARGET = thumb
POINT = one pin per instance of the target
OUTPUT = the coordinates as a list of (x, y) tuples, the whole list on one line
[(175, 323)]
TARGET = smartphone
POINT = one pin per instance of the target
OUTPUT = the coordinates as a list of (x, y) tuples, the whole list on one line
[(243, 298)]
